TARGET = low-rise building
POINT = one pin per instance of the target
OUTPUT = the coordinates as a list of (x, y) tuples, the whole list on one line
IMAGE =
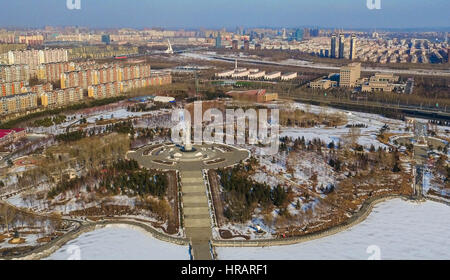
[(241, 74), (8, 136), (273, 75), (380, 83), (323, 84), (225, 74), (164, 99), (257, 75), (253, 95), (289, 76)]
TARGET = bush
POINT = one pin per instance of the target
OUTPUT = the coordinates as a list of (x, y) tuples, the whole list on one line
[(278, 196), (71, 136), (242, 195), (160, 207)]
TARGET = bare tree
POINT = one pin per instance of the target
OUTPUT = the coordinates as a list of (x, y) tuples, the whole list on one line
[(7, 215)]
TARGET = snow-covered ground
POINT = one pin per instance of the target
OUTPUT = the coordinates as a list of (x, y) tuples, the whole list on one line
[(30, 240), (119, 114), (400, 229), (115, 114), (327, 135), (120, 243), (367, 137)]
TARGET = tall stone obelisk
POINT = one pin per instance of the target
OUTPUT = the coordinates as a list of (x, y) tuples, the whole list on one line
[(187, 137)]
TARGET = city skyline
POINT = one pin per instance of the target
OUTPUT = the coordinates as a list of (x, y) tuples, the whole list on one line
[(402, 14)]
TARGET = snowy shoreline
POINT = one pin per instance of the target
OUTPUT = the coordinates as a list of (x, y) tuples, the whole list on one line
[(50, 248), (365, 210), (398, 229), (221, 246)]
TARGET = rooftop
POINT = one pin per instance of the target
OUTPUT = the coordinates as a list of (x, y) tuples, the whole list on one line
[(6, 132)]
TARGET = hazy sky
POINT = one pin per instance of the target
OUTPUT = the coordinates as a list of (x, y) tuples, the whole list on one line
[(226, 13)]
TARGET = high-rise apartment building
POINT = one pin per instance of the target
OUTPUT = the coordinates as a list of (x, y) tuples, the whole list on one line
[(246, 45), (31, 39), (104, 74), (315, 32), (51, 72), (333, 47), (18, 103), (13, 88), (235, 45), (100, 81), (219, 41), (352, 48), (306, 33), (350, 74), (14, 73), (61, 97), (341, 46), (106, 38), (298, 35), (448, 55), (33, 58)]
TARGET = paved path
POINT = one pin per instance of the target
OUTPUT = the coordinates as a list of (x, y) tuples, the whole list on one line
[(197, 220), (162, 154)]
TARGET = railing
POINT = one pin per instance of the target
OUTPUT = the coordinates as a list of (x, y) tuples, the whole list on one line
[(212, 210)]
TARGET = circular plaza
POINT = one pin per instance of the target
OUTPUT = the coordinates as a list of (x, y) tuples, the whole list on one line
[(169, 156)]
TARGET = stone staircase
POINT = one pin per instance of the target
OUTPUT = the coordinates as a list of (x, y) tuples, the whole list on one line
[(197, 220)]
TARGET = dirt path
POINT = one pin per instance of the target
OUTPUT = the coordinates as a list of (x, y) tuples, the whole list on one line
[(215, 193), (172, 195)]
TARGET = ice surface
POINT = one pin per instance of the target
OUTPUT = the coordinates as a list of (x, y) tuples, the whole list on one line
[(402, 230), (121, 243)]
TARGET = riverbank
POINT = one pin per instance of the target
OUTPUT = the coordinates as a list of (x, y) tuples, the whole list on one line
[(366, 209), (357, 218), (395, 230), (48, 249), (119, 242)]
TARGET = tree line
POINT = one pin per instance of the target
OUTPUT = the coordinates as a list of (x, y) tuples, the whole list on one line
[(242, 194)]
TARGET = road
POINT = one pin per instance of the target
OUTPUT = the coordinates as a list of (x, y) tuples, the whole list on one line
[(312, 65), (421, 112)]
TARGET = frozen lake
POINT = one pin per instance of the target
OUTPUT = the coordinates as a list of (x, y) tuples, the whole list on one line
[(119, 243), (399, 229)]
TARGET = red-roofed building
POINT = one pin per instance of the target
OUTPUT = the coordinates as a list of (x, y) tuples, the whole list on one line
[(10, 135), (259, 95)]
